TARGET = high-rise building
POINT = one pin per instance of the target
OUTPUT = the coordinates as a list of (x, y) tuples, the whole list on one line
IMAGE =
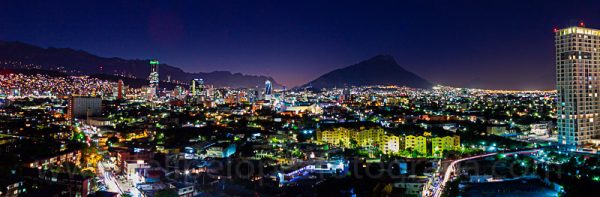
[(346, 94), (84, 106), (577, 83), (197, 87), (154, 74), (268, 90), (119, 89), (178, 92)]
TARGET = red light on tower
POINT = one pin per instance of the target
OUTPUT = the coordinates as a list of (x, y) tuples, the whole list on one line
[(555, 30), (581, 24)]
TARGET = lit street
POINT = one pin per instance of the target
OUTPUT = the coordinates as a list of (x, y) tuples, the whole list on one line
[(451, 169)]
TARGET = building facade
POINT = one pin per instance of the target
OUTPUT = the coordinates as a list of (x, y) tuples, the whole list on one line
[(119, 90), (441, 144), (387, 143), (577, 84), (153, 77), (416, 143), (197, 87), (84, 106), (268, 89)]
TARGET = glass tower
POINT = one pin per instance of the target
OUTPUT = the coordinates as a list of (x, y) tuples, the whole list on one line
[(268, 89)]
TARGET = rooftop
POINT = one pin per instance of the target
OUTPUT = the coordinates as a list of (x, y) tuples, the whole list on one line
[(577, 30)]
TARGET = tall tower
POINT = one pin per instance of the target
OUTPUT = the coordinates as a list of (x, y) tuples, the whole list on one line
[(577, 85), (268, 90), (153, 73), (120, 90), (197, 87)]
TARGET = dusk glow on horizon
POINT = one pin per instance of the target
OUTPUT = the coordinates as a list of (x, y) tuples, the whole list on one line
[(459, 43)]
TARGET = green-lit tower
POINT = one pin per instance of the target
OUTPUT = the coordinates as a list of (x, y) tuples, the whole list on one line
[(153, 73)]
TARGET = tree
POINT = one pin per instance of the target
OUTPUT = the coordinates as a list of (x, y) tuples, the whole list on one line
[(113, 140), (353, 143), (169, 192), (90, 156), (415, 153), (452, 188)]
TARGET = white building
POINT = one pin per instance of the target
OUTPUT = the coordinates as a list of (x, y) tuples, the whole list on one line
[(540, 129), (135, 169), (577, 83), (412, 186)]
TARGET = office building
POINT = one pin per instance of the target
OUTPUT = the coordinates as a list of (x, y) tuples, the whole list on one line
[(84, 106), (268, 90), (153, 78), (197, 87)]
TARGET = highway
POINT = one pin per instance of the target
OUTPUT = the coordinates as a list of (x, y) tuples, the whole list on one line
[(437, 192)]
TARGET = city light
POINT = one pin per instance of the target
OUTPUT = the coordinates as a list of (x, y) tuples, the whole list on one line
[(291, 99)]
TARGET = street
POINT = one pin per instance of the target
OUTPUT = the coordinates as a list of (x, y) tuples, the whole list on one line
[(438, 190), (109, 180)]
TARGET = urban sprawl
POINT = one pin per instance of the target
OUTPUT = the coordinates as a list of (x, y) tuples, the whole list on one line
[(73, 135)]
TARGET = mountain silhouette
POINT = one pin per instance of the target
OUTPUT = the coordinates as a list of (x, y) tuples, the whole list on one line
[(379, 70), (78, 62)]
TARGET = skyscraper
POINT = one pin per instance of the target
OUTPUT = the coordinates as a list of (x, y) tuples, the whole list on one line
[(268, 90), (577, 83), (120, 89), (153, 73), (197, 87)]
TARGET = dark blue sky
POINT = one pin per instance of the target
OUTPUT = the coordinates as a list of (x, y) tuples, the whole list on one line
[(482, 43)]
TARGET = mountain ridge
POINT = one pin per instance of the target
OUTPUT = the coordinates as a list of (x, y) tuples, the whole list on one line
[(76, 61)]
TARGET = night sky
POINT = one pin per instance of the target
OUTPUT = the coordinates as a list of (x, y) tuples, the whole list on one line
[(478, 43)]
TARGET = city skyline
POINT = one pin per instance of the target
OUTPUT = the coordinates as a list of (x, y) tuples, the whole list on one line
[(283, 40), (349, 98)]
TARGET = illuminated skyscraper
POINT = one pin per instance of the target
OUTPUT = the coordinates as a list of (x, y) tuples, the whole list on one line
[(153, 74), (577, 83), (197, 87), (268, 89)]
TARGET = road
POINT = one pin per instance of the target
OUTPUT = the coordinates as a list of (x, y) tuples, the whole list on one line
[(437, 192), (113, 184), (109, 180)]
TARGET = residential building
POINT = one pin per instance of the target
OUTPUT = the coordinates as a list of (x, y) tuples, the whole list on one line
[(577, 84)]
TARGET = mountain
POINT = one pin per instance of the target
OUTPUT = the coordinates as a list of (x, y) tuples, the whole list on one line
[(22, 55), (379, 70)]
